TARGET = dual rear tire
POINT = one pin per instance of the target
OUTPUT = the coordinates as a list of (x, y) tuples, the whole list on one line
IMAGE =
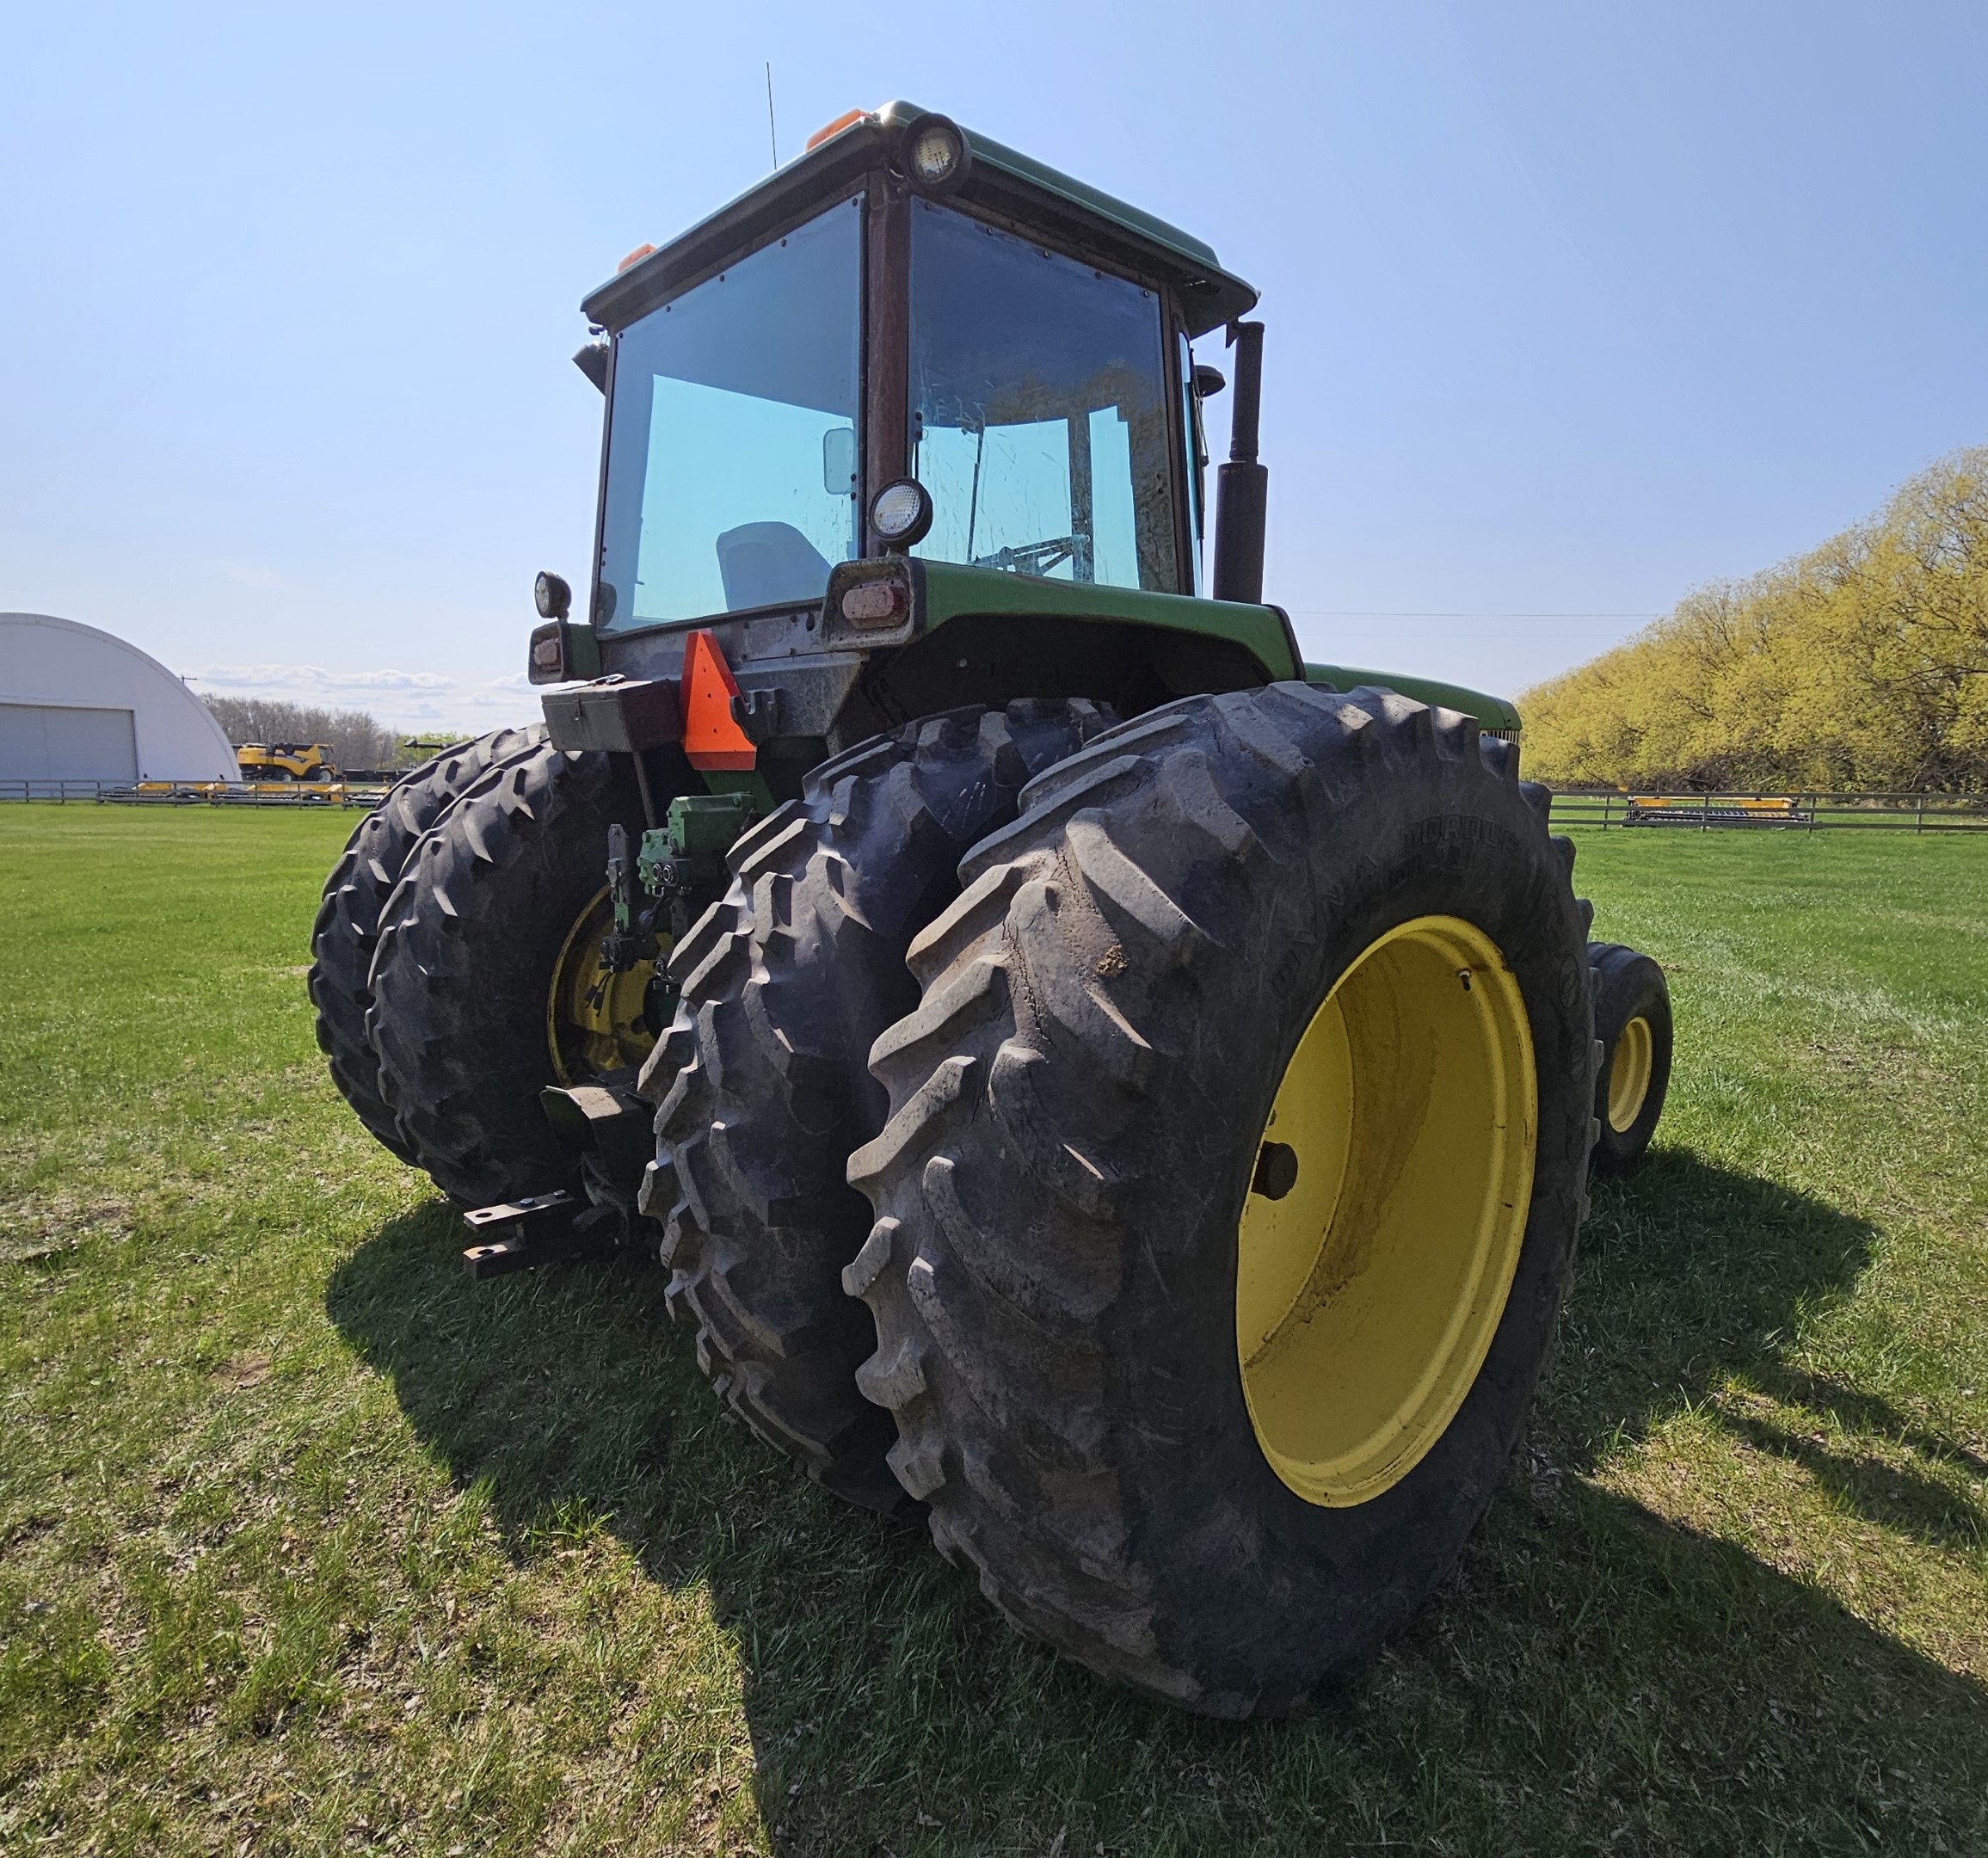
[(1118, 1315), (345, 938), (453, 961), (1266, 998)]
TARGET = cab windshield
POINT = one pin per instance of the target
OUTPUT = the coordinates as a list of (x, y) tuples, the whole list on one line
[(732, 473), (1039, 391)]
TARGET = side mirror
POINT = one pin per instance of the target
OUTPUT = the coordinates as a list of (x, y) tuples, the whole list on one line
[(839, 461), (551, 596), (592, 361), (1208, 381)]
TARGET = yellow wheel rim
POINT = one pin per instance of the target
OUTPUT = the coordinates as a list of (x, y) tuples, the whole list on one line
[(596, 1018), (1377, 1243), (1629, 1068)]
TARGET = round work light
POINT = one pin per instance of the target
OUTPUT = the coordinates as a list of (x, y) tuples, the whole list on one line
[(551, 596), (900, 514), (935, 153)]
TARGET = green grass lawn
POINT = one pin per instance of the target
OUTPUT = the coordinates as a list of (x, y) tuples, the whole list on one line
[(313, 1546)]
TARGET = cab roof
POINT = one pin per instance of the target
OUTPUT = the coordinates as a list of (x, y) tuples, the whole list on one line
[(1009, 185)]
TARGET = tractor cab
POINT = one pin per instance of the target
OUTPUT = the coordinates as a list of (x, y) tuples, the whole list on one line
[(918, 348), (1029, 368)]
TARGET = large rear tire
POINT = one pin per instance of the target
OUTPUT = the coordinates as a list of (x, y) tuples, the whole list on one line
[(495, 902), (786, 982), (1236, 1156), (346, 935)]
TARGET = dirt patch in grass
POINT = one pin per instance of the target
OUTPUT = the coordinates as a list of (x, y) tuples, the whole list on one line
[(43, 1225)]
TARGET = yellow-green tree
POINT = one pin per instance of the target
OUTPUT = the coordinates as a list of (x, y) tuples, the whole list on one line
[(1862, 664)]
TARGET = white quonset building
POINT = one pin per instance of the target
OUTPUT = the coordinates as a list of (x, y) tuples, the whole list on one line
[(80, 704)]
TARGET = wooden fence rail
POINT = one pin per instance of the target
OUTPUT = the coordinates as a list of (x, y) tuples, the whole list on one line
[(192, 793), (1748, 812), (1767, 812)]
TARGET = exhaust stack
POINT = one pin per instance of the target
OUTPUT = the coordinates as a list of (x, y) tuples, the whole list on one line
[(1243, 485)]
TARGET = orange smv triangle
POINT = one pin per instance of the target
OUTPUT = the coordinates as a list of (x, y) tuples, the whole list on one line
[(711, 736)]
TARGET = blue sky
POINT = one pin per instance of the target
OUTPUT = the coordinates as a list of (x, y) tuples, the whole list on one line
[(1571, 307)]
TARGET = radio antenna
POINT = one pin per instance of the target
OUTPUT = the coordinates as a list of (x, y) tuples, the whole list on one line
[(773, 134)]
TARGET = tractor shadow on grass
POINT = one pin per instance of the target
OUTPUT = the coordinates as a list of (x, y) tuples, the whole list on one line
[(1591, 1675)]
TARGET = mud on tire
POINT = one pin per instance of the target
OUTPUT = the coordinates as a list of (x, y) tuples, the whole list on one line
[(1076, 1108), (469, 941), (346, 935), (786, 983)]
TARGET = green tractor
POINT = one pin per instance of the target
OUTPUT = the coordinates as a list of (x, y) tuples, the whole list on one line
[(1092, 1077)]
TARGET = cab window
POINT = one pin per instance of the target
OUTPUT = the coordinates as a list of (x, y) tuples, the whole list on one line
[(733, 469), (1038, 396)]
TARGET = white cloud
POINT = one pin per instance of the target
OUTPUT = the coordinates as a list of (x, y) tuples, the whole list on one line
[(398, 698), (316, 678)]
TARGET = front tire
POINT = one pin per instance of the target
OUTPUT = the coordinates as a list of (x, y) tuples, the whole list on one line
[(1074, 1297)]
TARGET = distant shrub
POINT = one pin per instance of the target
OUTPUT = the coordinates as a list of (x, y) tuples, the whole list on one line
[(1861, 665)]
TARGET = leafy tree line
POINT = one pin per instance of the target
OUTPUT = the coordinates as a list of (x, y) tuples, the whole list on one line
[(356, 739), (1863, 665)]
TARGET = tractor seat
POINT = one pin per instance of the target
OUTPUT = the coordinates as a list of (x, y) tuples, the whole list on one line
[(769, 564)]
